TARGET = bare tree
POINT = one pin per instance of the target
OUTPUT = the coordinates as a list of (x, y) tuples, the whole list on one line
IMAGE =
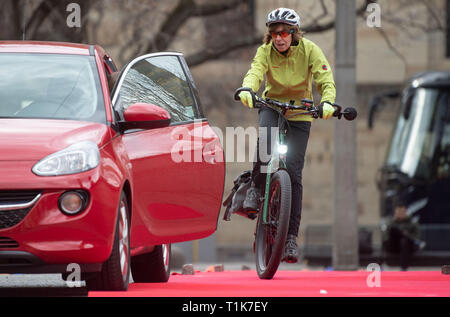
[(189, 9), (151, 26), (411, 19)]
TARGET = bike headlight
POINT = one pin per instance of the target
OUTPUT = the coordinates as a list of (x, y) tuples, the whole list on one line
[(77, 158), (282, 149)]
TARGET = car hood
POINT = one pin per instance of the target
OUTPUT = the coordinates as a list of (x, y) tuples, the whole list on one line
[(34, 139)]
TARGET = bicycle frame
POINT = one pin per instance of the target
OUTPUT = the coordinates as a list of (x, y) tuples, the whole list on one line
[(275, 156)]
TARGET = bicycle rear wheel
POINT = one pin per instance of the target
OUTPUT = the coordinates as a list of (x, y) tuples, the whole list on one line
[(271, 237)]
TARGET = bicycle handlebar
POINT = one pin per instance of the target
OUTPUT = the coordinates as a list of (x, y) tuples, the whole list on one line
[(307, 105)]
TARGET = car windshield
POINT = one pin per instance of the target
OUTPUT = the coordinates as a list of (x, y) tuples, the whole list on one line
[(417, 136), (50, 86)]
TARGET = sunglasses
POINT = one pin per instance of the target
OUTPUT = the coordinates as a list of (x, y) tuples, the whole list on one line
[(283, 34)]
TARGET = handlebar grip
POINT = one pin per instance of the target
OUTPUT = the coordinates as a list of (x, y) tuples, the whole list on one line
[(337, 112), (239, 90), (349, 113)]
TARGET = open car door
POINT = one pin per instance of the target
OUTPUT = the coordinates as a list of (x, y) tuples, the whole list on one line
[(178, 171)]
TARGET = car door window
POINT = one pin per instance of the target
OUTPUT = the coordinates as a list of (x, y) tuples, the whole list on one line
[(158, 80)]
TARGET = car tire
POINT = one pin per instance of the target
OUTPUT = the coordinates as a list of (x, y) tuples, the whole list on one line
[(115, 272), (153, 267)]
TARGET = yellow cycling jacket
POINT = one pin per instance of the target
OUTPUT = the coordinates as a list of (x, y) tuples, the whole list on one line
[(289, 77)]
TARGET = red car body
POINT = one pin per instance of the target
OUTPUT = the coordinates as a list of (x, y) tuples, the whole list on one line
[(169, 200)]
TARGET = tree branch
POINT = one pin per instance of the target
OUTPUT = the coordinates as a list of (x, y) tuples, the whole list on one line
[(11, 19), (211, 9), (208, 54), (393, 49), (436, 18), (182, 12), (315, 28), (323, 15)]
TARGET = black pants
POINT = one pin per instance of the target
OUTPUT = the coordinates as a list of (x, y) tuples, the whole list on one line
[(297, 141), (400, 244)]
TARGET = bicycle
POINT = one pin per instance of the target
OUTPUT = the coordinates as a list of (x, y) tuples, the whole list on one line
[(275, 207)]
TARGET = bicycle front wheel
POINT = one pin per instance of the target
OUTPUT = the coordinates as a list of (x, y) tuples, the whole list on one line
[(271, 236)]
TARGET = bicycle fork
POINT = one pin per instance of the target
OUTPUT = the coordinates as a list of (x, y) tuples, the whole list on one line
[(276, 162)]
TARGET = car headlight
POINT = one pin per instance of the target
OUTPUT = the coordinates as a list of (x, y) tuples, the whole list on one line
[(77, 158)]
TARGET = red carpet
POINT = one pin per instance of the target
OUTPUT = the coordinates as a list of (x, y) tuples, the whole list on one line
[(293, 284)]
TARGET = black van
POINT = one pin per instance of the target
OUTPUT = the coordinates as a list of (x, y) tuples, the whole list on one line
[(416, 170)]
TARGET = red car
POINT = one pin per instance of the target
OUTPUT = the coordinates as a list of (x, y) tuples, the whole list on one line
[(105, 180)]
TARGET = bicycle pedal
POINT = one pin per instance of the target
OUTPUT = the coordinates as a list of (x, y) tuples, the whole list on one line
[(253, 214), (251, 211)]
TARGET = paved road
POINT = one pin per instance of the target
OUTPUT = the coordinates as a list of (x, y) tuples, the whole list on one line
[(54, 285), (37, 285)]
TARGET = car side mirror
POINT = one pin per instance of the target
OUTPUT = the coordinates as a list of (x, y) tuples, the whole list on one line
[(144, 116)]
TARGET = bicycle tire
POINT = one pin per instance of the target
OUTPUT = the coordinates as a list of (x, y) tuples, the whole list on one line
[(271, 238)]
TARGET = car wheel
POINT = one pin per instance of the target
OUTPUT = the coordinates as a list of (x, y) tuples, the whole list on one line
[(115, 273), (153, 267)]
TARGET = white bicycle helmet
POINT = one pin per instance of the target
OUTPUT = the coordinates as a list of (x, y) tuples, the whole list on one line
[(283, 15)]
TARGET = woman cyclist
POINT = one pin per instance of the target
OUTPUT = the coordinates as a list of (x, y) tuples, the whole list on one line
[(290, 63)]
